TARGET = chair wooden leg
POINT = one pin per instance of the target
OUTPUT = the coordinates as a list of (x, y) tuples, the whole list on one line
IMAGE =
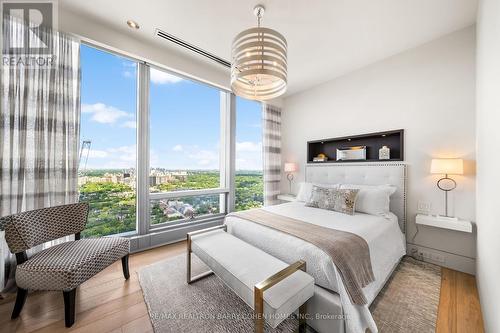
[(69, 307), (22, 294), (126, 273)]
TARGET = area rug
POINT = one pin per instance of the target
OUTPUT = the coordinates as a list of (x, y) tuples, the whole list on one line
[(410, 299), (408, 303)]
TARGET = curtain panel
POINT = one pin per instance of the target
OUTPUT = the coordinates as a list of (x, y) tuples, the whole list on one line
[(39, 128), (271, 148)]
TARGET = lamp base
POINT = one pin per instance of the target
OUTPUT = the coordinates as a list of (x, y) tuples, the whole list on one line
[(290, 179), (451, 186)]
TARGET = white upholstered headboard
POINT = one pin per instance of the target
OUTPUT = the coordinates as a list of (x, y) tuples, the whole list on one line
[(366, 174)]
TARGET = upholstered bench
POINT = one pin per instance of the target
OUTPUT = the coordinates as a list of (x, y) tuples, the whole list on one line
[(249, 271)]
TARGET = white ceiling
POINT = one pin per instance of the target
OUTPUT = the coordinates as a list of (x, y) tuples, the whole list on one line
[(326, 38)]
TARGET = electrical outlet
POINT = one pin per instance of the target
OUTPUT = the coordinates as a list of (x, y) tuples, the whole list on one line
[(424, 254), (438, 258), (424, 207), (430, 256)]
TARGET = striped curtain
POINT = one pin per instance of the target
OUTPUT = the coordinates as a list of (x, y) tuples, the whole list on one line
[(271, 132), (39, 127)]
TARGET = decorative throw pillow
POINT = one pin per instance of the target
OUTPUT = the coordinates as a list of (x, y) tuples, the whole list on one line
[(338, 200)]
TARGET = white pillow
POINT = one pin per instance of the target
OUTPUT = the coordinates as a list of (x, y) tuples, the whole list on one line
[(372, 199), (389, 188), (305, 190)]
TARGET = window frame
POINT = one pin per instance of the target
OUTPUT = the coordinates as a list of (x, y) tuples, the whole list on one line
[(226, 190), (226, 154), (193, 221), (138, 62)]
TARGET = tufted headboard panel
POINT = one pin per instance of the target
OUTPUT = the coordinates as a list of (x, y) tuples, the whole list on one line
[(366, 174)]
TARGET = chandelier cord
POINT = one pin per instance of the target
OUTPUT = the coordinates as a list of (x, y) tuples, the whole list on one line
[(259, 15)]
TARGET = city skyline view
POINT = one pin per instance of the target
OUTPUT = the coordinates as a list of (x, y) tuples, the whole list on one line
[(184, 131), (185, 138)]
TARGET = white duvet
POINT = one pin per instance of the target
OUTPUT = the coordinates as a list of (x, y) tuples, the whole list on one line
[(383, 235)]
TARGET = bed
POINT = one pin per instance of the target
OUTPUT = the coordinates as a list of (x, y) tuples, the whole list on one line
[(331, 308)]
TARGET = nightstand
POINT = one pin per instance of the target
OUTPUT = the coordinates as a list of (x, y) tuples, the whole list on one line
[(445, 242), (286, 197), (444, 223)]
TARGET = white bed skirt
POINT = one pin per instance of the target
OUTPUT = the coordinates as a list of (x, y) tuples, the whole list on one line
[(326, 311)]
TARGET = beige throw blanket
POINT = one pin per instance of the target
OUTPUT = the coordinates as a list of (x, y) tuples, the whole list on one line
[(349, 252)]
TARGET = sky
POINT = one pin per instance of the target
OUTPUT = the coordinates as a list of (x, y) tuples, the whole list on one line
[(184, 118)]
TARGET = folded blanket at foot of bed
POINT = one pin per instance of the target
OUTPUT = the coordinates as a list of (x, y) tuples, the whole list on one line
[(349, 252)]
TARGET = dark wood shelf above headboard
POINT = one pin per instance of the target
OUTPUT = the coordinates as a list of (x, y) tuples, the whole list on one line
[(373, 142)]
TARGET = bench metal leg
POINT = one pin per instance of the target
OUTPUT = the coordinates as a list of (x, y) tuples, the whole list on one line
[(197, 277), (258, 310), (268, 283), (190, 279), (302, 318)]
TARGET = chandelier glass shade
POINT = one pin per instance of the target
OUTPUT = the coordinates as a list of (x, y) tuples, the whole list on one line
[(259, 62)]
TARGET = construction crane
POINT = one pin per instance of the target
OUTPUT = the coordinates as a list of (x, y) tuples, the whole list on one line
[(84, 147)]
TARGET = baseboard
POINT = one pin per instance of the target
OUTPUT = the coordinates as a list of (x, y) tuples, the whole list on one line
[(442, 258)]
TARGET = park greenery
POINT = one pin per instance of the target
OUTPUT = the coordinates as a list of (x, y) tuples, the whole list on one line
[(113, 205)]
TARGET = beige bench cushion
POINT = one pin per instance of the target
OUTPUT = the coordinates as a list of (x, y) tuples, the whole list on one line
[(65, 266), (241, 266)]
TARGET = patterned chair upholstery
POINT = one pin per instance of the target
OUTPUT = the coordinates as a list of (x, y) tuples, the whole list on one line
[(68, 265), (64, 266)]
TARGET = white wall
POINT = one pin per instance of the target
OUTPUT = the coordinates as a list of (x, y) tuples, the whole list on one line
[(172, 58), (429, 91), (488, 162)]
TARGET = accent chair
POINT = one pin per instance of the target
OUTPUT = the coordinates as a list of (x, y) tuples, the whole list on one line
[(62, 267)]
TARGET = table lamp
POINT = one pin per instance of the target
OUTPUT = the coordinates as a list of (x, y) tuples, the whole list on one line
[(447, 166), (290, 168)]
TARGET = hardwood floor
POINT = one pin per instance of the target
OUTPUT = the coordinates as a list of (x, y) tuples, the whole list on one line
[(105, 303), (108, 303), (459, 308)]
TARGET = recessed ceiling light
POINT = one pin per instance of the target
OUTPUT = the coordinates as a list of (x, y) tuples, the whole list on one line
[(133, 24)]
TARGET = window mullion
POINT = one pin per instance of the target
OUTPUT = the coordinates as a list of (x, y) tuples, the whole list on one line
[(228, 146), (187, 193), (142, 177)]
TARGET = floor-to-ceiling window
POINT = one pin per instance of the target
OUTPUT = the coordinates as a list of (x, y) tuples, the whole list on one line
[(185, 145), (158, 149), (249, 179), (108, 141)]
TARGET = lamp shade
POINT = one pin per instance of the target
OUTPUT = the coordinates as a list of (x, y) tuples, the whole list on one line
[(290, 167), (259, 62), (450, 166)]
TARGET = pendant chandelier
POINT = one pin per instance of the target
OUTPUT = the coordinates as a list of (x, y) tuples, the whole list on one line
[(259, 64)]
